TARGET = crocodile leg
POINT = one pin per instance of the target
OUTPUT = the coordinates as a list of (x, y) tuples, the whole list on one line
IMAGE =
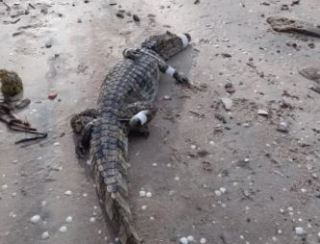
[(169, 70), (82, 125), (138, 115)]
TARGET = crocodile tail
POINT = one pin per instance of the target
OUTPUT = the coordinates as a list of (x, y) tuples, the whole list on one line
[(117, 211), (110, 172)]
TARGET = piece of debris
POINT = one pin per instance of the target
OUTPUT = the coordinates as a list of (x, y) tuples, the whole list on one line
[(295, 2), (282, 24), (315, 88), (284, 7), (311, 73), (227, 103), (220, 117), (230, 88), (136, 18), (226, 55), (52, 95), (202, 153), (283, 127), (196, 2), (120, 14), (263, 112)]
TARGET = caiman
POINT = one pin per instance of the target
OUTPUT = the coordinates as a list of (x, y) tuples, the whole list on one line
[(126, 103)]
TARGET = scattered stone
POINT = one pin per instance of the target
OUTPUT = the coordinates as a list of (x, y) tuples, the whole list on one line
[(136, 18), (196, 2), (69, 219), (68, 193), (92, 219), (4, 187), (144, 207), (283, 127), (45, 235), (229, 88), (295, 2), (149, 195), (263, 112), (48, 44), (203, 153), (183, 240), (190, 238), (63, 229), (142, 193), (299, 231), (166, 97), (203, 240), (284, 7), (227, 103), (226, 55), (35, 219), (120, 14), (52, 95)]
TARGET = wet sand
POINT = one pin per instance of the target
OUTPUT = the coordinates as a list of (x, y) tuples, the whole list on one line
[(226, 176)]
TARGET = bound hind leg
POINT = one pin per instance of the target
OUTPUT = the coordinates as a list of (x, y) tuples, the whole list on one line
[(137, 115), (81, 125)]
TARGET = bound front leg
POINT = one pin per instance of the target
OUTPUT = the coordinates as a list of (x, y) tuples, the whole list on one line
[(169, 70)]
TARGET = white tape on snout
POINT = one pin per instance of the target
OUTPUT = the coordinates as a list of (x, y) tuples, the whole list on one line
[(142, 116), (184, 39), (170, 71)]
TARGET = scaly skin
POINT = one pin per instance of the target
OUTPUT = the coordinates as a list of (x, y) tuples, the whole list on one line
[(130, 87)]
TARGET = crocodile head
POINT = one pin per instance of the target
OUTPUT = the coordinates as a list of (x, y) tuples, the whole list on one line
[(167, 44)]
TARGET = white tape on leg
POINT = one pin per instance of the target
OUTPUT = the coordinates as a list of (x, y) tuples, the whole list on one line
[(170, 71), (142, 116), (184, 39)]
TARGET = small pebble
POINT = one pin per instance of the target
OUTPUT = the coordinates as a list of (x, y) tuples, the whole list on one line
[(183, 240), (92, 219), (142, 193), (63, 229), (149, 195), (35, 219), (177, 178), (69, 219), (45, 235), (68, 193), (299, 231), (4, 187), (144, 207), (190, 238), (203, 240), (218, 193)]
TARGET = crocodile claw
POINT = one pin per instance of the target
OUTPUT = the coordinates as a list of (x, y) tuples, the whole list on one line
[(181, 79)]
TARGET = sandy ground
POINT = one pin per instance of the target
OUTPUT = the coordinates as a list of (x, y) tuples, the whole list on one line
[(229, 177)]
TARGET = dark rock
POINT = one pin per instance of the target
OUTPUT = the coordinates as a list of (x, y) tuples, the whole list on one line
[(120, 14), (136, 18), (230, 88)]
